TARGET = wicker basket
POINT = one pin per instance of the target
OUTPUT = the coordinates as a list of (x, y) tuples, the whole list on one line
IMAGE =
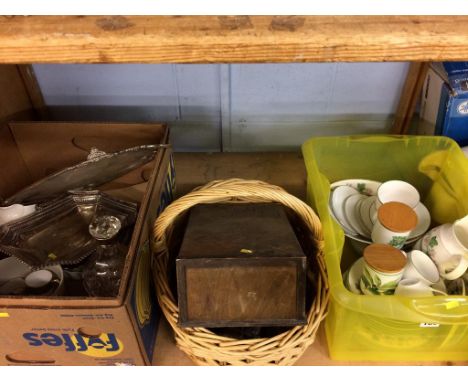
[(202, 345)]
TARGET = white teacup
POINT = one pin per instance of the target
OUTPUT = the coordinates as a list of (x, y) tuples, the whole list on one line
[(415, 288), (447, 245), (15, 212), (397, 191), (454, 268), (421, 267)]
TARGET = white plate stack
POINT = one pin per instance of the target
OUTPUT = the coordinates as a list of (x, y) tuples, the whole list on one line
[(353, 204)]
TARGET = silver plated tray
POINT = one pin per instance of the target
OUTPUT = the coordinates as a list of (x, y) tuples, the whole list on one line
[(100, 168), (58, 232)]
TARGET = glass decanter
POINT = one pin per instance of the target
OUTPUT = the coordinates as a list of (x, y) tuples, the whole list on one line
[(101, 277)]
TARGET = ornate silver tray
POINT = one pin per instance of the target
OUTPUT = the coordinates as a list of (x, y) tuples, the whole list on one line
[(100, 168), (58, 232)]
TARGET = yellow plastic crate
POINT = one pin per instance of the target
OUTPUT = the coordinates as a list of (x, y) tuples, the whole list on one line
[(392, 328)]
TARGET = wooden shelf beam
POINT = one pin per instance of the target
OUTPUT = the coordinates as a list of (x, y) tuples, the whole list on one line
[(410, 95), (208, 39)]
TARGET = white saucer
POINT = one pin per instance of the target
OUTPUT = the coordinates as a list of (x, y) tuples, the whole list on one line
[(337, 199), (363, 186), (365, 216), (373, 212), (424, 221), (352, 215), (366, 231), (354, 276)]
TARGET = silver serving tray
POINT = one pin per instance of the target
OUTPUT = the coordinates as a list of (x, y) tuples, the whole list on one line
[(97, 170), (58, 232)]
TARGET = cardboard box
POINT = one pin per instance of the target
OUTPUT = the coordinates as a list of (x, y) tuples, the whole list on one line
[(444, 102), (86, 330)]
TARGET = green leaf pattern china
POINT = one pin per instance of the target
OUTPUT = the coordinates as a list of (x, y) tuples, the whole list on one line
[(398, 241), (374, 284)]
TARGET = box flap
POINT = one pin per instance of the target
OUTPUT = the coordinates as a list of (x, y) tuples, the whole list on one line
[(457, 74)]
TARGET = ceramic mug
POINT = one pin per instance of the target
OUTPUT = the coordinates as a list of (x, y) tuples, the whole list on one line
[(397, 191), (15, 212), (394, 224), (381, 234), (415, 288), (447, 245), (421, 267), (378, 283)]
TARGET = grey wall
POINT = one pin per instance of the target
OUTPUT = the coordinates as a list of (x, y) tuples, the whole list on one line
[(239, 107)]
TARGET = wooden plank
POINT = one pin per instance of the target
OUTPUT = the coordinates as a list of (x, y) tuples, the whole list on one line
[(14, 99), (34, 91), (283, 169), (409, 97), (205, 39), (14, 105), (168, 354)]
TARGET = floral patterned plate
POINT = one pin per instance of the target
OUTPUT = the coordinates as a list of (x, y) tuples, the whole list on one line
[(364, 187)]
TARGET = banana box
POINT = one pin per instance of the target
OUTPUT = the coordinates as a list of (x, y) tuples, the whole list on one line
[(66, 330)]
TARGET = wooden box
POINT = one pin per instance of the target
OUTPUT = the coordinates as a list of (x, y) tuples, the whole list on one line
[(240, 265)]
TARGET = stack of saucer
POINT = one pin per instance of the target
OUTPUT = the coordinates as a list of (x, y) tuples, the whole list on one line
[(415, 269), (354, 203)]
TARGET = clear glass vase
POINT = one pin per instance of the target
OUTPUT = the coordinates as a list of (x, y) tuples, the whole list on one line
[(102, 275)]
